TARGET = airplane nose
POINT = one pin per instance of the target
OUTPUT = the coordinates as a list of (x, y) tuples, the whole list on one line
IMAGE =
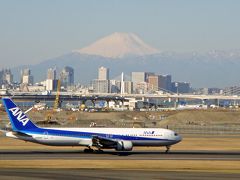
[(178, 138)]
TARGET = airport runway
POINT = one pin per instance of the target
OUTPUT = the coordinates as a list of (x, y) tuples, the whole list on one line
[(114, 174), (98, 174), (113, 155)]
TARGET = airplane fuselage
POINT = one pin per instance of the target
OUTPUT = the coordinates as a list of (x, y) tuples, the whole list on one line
[(83, 136)]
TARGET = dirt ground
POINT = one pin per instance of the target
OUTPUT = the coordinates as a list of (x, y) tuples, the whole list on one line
[(201, 118)]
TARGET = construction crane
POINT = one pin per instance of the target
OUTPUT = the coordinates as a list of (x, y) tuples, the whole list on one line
[(56, 103), (49, 116)]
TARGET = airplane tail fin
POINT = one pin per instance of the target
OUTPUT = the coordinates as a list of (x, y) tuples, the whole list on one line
[(18, 119)]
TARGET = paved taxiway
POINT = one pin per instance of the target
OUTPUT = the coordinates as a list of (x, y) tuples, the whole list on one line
[(113, 155), (96, 174)]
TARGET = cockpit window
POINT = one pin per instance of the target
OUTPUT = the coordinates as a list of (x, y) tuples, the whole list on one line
[(175, 134)]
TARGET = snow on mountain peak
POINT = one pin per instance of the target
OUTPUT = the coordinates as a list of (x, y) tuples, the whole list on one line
[(118, 45)]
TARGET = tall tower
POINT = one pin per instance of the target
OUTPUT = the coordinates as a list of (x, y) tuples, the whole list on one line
[(67, 76), (103, 73), (27, 78), (52, 74), (7, 76), (122, 84), (102, 84), (51, 81)]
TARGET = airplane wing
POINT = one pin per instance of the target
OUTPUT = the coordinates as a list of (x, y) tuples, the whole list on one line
[(118, 144), (103, 142)]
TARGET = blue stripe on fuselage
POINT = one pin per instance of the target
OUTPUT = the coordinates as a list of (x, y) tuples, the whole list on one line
[(87, 135)]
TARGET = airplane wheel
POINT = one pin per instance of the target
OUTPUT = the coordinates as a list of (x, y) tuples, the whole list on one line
[(99, 151), (88, 150), (167, 150)]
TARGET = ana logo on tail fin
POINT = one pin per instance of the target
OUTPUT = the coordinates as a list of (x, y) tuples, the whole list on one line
[(20, 116), (19, 120)]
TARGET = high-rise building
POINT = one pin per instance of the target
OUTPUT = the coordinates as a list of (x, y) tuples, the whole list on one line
[(67, 76), (103, 73), (233, 90), (180, 87), (153, 81), (51, 81), (27, 78), (101, 86), (26, 72), (116, 87), (128, 87), (1, 78), (165, 82), (160, 82), (168, 82), (51, 85), (6, 77), (139, 78), (52, 74)]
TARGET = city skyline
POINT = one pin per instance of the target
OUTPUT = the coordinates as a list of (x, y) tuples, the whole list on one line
[(141, 82), (103, 83)]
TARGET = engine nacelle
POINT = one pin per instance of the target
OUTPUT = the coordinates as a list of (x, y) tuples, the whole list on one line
[(124, 146)]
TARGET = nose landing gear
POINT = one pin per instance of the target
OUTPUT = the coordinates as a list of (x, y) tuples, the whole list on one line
[(167, 149)]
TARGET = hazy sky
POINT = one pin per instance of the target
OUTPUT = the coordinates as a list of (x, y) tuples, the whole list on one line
[(32, 31)]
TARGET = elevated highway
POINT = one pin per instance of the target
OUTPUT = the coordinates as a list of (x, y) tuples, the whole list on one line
[(65, 97), (73, 96), (173, 96)]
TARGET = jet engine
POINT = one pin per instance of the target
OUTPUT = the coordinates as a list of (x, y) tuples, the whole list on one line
[(124, 146)]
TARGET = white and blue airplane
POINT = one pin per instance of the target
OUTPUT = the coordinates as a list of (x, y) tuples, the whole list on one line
[(120, 139)]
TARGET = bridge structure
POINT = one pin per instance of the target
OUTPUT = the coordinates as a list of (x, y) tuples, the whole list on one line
[(215, 99), (67, 98), (74, 96), (118, 98), (164, 95)]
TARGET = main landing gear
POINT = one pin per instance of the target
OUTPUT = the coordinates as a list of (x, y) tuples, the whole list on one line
[(167, 150), (99, 150), (90, 150)]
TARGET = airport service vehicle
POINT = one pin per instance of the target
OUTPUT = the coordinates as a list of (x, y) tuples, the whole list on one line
[(120, 139)]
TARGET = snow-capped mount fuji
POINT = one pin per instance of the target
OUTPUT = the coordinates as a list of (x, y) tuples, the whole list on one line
[(119, 45), (126, 52)]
